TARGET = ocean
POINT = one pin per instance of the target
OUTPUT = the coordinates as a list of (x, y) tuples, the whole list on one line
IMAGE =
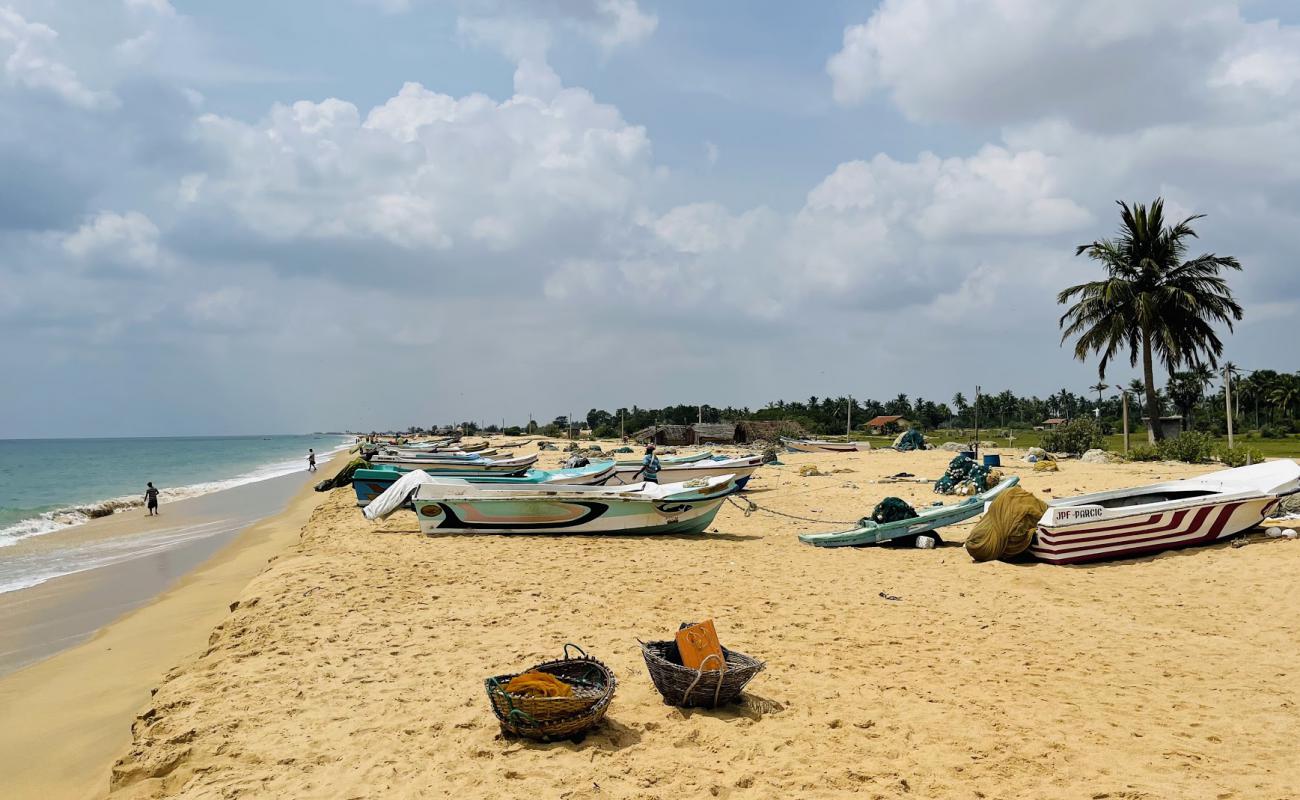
[(48, 485)]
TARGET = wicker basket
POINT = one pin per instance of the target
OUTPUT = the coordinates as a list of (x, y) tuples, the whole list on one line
[(702, 688), (550, 718)]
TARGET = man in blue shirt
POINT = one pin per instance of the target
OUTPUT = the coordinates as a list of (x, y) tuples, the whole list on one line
[(649, 465)]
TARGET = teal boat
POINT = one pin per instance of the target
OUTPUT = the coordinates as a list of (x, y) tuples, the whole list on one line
[(926, 520), (691, 459), (370, 483)]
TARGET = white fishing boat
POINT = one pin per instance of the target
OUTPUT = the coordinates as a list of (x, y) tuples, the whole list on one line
[(1162, 516), (501, 466), (450, 505), (742, 468), (816, 446)]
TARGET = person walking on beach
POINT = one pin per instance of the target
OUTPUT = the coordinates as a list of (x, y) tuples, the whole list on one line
[(151, 500), (649, 466), (311, 460)]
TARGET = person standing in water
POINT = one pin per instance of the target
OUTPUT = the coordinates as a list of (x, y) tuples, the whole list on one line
[(151, 500), (649, 466), (311, 460)]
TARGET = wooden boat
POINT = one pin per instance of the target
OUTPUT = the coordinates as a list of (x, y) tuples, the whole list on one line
[(1162, 516), (370, 483), (926, 520), (816, 446), (449, 505), (502, 466), (689, 459), (741, 468)]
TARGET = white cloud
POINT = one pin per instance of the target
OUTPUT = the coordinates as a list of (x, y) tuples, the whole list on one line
[(425, 169), (129, 239), (162, 8), (1107, 64), (29, 61), (525, 29)]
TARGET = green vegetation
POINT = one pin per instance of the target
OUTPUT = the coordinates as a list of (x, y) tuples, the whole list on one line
[(1152, 304), (1076, 436)]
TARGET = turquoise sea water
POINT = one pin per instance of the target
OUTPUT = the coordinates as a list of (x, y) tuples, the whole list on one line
[(47, 484)]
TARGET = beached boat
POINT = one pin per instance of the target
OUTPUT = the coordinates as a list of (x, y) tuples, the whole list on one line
[(408, 452), (448, 505), (687, 459), (925, 521), (1162, 516), (815, 446), (503, 466), (370, 483), (741, 468)]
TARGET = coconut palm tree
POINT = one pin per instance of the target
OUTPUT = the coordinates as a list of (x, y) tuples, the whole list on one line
[(1152, 303)]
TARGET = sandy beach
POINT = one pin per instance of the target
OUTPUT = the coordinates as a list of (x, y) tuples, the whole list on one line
[(352, 666), (70, 714)]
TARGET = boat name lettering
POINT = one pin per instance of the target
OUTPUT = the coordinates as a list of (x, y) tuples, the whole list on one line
[(1081, 513)]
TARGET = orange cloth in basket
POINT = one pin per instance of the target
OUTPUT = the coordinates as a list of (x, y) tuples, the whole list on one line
[(539, 684)]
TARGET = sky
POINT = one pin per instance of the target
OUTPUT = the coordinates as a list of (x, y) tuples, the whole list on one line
[(250, 217)]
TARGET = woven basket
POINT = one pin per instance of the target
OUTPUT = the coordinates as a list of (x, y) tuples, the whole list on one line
[(702, 688), (550, 718)]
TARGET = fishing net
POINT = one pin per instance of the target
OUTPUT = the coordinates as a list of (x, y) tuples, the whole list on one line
[(344, 476), (892, 509), (1007, 527), (910, 439), (963, 476)]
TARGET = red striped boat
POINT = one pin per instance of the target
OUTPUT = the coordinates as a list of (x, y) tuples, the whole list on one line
[(1163, 516)]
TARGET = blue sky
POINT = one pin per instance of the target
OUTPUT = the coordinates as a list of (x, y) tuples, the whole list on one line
[(242, 217)]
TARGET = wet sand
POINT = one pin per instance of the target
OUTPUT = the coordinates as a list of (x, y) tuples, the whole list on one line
[(353, 666), (68, 716)]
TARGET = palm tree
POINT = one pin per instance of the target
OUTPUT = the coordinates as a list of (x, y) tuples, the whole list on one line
[(1152, 303), (959, 403), (1285, 393), (1098, 387)]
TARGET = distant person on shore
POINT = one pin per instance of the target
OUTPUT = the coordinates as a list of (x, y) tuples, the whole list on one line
[(151, 500), (649, 466), (311, 460)]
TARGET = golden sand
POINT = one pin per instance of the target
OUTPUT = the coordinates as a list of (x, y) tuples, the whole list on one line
[(354, 665)]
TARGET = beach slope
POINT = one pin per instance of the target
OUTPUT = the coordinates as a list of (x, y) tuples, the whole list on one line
[(354, 665)]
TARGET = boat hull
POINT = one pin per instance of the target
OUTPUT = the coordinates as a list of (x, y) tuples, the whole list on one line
[(742, 468), (1146, 533), (929, 519), (370, 483), (641, 510), (1164, 516)]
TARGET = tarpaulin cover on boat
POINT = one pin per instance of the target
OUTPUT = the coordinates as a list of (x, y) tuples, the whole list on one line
[(397, 494), (1007, 527)]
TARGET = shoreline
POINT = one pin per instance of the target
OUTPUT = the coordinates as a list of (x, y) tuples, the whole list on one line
[(77, 705)]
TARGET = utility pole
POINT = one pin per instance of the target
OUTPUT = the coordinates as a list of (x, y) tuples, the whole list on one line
[(848, 425), (697, 424), (621, 435), (976, 448), (1124, 394), (1227, 402)]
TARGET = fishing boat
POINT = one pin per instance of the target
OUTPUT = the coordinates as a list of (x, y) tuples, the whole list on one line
[(816, 446), (687, 459), (1162, 516), (502, 466), (741, 468), (370, 483), (449, 505), (408, 452), (926, 520)]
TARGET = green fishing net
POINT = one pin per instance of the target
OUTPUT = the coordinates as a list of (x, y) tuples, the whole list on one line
[(963, 473)]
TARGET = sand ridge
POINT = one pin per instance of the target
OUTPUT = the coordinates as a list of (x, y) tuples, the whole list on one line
[(353, 666)]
